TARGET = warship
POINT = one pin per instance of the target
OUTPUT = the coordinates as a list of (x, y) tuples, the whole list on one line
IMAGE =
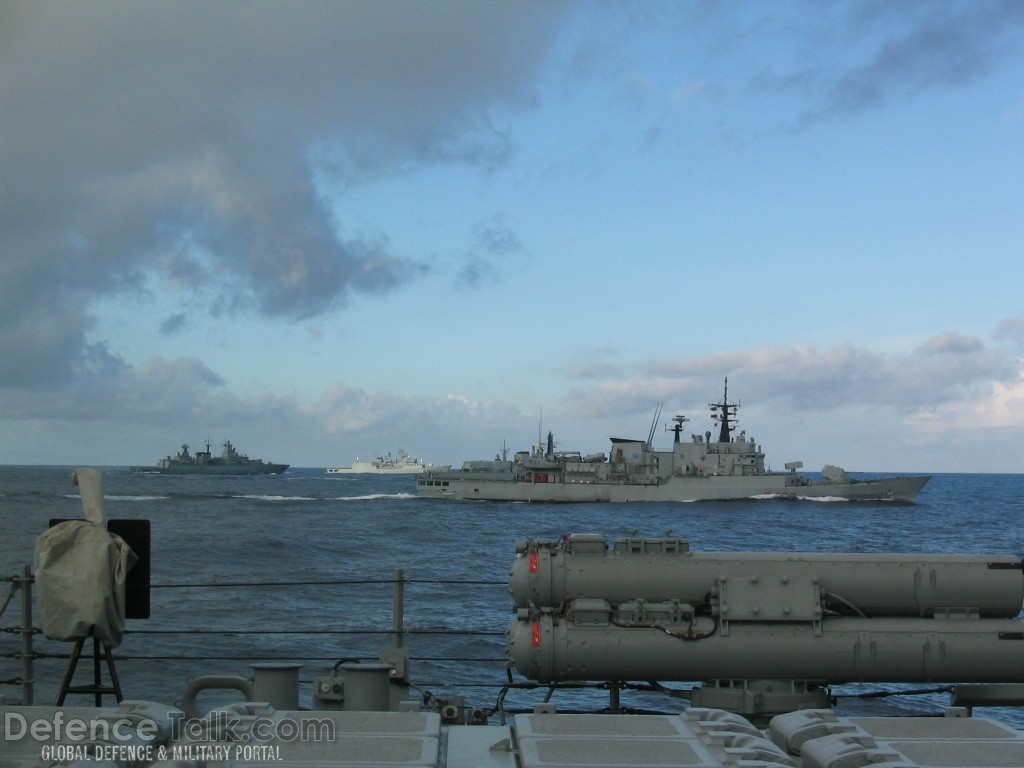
[(403, 464), (230, 462), (761, 637), (701, 469)]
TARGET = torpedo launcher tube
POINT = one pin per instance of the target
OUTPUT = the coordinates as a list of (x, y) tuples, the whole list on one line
[(652, 609)]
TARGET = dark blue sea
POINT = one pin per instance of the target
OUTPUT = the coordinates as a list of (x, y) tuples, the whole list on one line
[(321, 553)]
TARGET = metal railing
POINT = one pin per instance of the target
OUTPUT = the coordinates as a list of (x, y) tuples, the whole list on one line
[(28, 653), (23, 584)]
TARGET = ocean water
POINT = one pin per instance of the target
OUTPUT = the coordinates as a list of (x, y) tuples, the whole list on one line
[(318, 554)]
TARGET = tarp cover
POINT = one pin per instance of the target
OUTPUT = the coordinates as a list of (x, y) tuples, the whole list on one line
[(80, 571)]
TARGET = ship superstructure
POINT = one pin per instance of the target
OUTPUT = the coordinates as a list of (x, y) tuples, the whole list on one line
[(729, 467), (230, 462), (402, 464)]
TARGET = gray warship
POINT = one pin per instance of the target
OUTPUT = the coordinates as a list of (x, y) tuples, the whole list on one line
[(230, 462), (403, 464), (762, 637), (731, 467)]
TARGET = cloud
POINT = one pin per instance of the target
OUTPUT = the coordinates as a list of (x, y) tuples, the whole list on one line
[(1011, 329), (948, 343), (185, 147), (949, 48), (186, 397), (951, 387), (493, 243), (945, 369), (104, 388), (860, 57), (596, 365), (950, 404), (343, 410), (173, 324)]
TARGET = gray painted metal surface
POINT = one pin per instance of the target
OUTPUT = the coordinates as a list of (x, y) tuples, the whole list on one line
[(143, 734), (651, 609), (230, 462), (729, 467)]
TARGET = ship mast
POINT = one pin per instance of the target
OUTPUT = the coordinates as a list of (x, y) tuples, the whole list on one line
[(679, 420), (724, 413)]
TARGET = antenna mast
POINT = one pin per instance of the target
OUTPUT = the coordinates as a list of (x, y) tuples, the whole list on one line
[(724, 413), (679, 420), (654, 424)]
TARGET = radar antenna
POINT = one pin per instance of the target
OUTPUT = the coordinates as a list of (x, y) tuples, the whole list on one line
[(678, 428), (724, 413)]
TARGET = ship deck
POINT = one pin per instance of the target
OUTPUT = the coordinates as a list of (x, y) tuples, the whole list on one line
[(148, 734)]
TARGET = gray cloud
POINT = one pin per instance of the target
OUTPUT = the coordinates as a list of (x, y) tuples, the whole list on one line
[(103, 387), (949, 343), (1011, 329), (793, 63), (190, 142), (495, 237), (162, 402), (173, 324), (475, 271), (907, 48), (493, 242)]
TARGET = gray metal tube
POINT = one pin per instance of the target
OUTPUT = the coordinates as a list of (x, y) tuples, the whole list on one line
[(875, 584), (276, 682), (367, 687), (841, 650)]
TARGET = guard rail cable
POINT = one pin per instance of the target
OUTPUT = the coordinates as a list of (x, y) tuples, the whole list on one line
[(28, 653)]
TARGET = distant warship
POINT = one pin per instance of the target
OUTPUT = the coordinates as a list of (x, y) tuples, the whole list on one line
[(731, 467), (230, 462), (403, 464)]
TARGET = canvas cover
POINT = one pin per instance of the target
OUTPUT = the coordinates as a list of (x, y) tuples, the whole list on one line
[(80, 571)]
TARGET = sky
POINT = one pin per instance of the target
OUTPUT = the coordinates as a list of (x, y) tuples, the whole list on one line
[(329, 230)]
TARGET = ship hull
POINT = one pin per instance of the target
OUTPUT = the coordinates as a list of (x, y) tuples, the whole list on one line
[(371, 470), (208, 469), (450, 486)]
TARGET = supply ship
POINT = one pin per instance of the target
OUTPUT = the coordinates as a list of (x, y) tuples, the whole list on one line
[(230, 462), (731, 467), (403, 464)]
